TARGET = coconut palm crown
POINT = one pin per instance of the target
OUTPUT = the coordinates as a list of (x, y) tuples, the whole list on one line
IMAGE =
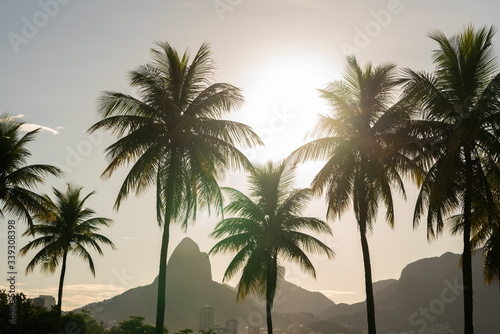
[(173, 136), (460, 104), (268, 226), (364, 144), (16, 176), (66, 227)]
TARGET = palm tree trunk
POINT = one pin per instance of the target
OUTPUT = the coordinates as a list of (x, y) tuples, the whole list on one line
[(467, 256), (269, 306), (362, 216), (370, 300), (162, 276), (60, 292), (270, 291)]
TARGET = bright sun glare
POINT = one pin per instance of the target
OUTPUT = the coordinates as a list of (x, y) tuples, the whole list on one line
[(282, 102)]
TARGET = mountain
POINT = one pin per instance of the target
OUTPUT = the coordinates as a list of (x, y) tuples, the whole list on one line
[(291, 298), (190, 286), (427, 298)]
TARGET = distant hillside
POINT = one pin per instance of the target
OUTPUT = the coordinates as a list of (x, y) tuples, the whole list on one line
[(427, 296), (292, 298), (190, 286)]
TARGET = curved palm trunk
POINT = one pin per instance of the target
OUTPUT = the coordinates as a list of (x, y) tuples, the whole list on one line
[(467, 256), (60, 291), (162, 276), (269, 308), (362, 221), (271, 291), (370, 300)]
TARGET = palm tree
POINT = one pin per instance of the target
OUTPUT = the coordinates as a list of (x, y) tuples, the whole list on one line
[(363, 144), (267, 226), (485, 231), (460, 106), (175, 139), (16, 177), (66, 227), (491, 251)]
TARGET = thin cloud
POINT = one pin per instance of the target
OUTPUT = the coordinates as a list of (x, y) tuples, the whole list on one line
[(27, 127), (335, 292), (30, 127)]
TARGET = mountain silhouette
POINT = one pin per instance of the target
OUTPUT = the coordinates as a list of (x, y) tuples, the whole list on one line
[(291, 298), (427, 298), (190, 286)]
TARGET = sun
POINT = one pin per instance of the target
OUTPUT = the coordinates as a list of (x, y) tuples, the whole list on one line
[(282, 101)]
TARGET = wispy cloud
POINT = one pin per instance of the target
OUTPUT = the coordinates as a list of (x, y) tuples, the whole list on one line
[(332, 294), (336, 292), (27, 127)]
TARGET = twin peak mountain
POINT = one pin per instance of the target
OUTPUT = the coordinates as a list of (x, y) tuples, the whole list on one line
[(190, 286)]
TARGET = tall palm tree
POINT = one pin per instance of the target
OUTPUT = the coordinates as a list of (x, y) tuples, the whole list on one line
[(460, 103), (485, 230), (173, 135), (491, 269), (363, 144), (66, 227), (16, 177), (266, 227)]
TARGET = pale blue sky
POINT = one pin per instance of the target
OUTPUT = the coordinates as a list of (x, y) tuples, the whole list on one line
[(278, 52)]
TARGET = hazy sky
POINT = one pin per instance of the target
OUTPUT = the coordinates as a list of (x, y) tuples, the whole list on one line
[(56, 56)]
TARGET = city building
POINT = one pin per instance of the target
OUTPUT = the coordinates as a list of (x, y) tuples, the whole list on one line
[(206, 317), (254, 330), (232, 326), (218, 329), (44, 301)]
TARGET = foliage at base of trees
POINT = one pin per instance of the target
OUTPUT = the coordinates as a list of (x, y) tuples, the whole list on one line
[(135, 325), (30, 319)]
